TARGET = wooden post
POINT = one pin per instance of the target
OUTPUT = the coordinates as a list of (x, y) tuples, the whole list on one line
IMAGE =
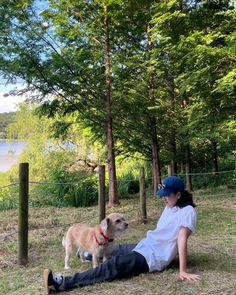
[(143, 207), (23, 213), (101, 193)]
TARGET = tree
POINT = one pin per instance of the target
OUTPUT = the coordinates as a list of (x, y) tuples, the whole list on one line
[(5, 119), (137, 83), (147, 78), (63, 53), (208, 61), (192, 47)]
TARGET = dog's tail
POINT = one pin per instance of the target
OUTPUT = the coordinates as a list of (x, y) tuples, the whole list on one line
[(64, 241)]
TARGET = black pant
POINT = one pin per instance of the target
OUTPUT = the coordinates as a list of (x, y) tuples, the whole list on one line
[(124, 263)]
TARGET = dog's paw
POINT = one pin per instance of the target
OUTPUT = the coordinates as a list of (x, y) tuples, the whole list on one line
[(67, 267)]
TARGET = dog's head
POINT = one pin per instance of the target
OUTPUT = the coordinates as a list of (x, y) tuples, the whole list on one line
[(114, 222)]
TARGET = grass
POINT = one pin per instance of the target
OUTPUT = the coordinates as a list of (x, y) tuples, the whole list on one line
[(212, 250)]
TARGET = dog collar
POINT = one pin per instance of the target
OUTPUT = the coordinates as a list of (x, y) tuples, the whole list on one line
[(104, 236)]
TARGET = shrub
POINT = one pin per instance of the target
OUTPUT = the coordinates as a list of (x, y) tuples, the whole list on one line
[(83, 195), (65, 188), (9, 198), (127, 184)]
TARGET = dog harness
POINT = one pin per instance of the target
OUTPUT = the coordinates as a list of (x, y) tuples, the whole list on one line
[(107, 240)]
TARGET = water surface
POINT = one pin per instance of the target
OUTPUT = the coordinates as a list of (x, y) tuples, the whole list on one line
[(9, 153)]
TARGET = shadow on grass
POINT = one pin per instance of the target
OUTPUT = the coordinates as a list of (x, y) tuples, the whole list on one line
[(207, 261)]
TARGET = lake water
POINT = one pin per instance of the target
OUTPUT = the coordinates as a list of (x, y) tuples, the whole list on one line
[(9, 153)]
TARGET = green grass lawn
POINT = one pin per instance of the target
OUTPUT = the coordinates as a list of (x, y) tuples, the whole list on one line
[(212, 249)]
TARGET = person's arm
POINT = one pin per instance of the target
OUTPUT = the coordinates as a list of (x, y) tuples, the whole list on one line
[(184, 233)]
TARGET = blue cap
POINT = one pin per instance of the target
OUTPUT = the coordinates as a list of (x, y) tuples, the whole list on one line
[(169, 185)]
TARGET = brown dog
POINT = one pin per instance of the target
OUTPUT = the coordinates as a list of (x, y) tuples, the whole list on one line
[(98, 240)]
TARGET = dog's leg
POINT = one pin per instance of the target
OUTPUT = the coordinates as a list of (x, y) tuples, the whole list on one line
[(95, 260), (81, 254), (78, 253), (68, 254), (82, 257)]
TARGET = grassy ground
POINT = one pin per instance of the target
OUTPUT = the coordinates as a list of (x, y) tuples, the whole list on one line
[(212, 250)]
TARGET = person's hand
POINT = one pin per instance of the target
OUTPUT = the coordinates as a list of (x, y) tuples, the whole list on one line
[(183, 275)]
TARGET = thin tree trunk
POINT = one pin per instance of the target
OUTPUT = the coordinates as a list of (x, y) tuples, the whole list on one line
[(187, 151), (173, 162), (188, 168), (156, 168), (169, 170), (113, 194), (214, 158), (182, 160), (172, 140), (182, 167)]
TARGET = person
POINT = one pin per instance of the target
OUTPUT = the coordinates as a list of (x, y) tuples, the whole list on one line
[(153, 253)]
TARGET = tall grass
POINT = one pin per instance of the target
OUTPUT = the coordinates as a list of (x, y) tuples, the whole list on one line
[(203, 181), (127, 184), (63, 194), (9, 198), (80, 190), (67, 191)]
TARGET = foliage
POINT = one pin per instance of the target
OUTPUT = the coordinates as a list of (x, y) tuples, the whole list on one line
[(65, 187), (9, 198), (5, 119), (54, 161), (128, 185), (172, 82)]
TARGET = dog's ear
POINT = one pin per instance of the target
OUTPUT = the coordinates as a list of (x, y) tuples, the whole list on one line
[(105, 224)]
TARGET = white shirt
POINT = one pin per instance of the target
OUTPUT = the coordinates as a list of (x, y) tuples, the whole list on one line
[(160, 245)]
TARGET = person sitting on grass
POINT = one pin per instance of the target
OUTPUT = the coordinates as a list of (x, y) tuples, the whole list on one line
[(153, 253)]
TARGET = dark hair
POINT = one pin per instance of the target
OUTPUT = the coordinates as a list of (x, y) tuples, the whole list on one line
[(185, 199)]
